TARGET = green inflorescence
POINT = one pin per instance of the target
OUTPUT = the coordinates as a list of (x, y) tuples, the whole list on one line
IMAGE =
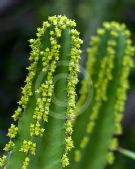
[(34, 105)]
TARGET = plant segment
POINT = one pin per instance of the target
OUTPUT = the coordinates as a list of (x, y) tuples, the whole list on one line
[(108, 66), (46, 109)]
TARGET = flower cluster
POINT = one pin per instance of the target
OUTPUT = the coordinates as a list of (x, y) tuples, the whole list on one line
[(12, 131), (28, 147), (3, 161), (9, 146), (36, 130), (26, 163)]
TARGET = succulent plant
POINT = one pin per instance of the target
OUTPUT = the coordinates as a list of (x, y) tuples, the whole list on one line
[(46, 109), (99, 121), (47, 113)]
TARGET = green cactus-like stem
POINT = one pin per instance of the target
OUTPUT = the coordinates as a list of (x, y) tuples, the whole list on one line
[(46, 109), (108, 66)]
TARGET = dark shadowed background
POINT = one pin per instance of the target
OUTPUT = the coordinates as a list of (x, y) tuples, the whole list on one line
[(18, 22)]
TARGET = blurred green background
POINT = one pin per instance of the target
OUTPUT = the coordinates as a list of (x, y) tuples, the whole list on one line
[(18, 22)]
